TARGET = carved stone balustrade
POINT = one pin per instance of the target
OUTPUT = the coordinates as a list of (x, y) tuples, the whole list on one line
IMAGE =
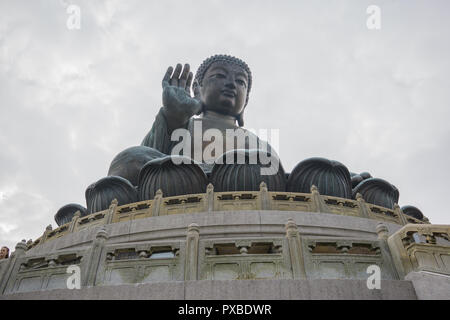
[(421, 247)]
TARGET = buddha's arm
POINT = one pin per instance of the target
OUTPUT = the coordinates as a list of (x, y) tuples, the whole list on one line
[(178, 108), (159, 136)]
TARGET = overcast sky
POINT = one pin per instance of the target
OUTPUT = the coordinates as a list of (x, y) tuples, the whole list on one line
[(70, 100)]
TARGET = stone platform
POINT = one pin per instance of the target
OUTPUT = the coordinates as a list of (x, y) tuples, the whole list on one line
[(234, 254), (234, 290)]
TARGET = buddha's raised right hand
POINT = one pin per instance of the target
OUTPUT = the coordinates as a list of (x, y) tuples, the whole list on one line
[(178, 105)]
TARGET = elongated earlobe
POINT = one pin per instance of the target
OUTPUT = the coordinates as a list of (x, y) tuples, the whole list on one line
[(240, 119), (196, 89)]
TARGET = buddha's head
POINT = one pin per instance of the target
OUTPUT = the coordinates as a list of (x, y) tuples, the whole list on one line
[(223, 85)]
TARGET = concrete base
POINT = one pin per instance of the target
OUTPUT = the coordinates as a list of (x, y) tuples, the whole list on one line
[(331, 253), (327, 289), (430, 285)]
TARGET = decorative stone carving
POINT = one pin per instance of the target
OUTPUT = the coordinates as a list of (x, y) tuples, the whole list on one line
[(130, 161), (191, 258), (67, 212), (100, 194), (377, 191), (382, 231), (173, 179), (295, 250), (245, 175), (415, 248), (331, 177)]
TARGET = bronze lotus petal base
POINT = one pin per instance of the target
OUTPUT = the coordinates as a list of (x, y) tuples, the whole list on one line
[(358, 178), (67, 212), (331, 177), (173, 179), (377, 191), (130, 161), (413, 212), (245, 176), (100, 194)]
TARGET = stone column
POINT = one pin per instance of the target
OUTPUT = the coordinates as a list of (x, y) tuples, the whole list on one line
[(111, 211), (383, 234), (48, 229), (400, 214), (382, 231), (157, 203), (74, 221), (191, 252), (362, 206), (319, 204), (295, 250), (98, 245), (209, 201), (12, 268), (264, 196)]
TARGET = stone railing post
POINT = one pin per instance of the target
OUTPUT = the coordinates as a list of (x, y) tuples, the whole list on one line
[(157, 203), (398, 212), (408, 251), (12, 268), (74, 221), (94, 256), (295, 250), (362, 206), (191, 252), (319, 204), (48, 229), (209, 200), (383, 235), (111, 211), (382, 232), (264, 196)]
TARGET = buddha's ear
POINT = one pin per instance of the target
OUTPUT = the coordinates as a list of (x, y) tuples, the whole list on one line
[(196, 89), (240, 119)]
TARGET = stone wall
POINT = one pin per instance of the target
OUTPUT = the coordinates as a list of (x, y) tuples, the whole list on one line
[(237, 249)]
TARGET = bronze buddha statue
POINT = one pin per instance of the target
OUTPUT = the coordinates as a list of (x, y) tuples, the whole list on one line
[(221, 90), (201, 122)]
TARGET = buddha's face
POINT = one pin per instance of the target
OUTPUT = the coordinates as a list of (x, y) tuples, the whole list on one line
[(224, 88)]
